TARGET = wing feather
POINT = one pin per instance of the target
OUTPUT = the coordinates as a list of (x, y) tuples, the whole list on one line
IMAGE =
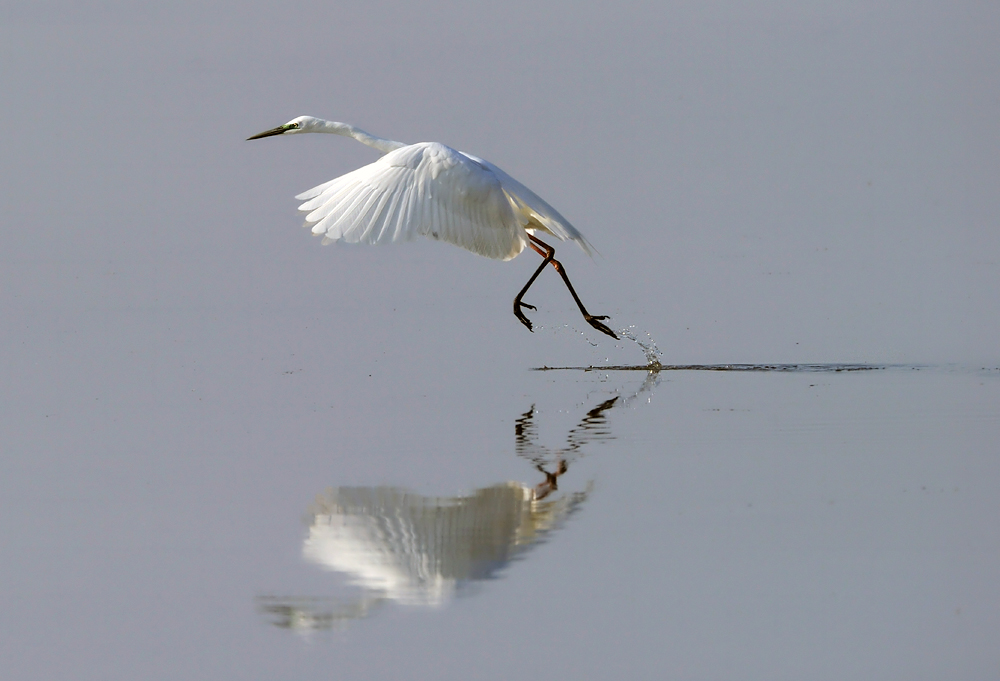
[(538, 212), (422, 189)]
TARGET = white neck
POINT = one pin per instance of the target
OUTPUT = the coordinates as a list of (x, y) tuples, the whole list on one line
[(347, 130)]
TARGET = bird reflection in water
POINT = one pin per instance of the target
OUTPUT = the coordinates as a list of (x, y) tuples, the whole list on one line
[(593, 427), (396, 545)]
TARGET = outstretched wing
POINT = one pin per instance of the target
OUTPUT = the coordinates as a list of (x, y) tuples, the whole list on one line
[(421, 189), (539, 214)]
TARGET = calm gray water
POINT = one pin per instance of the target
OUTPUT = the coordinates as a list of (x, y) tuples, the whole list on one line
[(703, 525), (228, 452)]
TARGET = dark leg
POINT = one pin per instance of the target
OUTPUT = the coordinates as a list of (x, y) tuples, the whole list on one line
[(547, 258), (548, 253), (551, 484)]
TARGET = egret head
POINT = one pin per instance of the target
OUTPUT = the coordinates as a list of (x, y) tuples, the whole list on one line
[(296, 125)]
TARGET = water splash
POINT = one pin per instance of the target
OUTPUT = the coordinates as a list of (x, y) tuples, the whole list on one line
[(648, 346)]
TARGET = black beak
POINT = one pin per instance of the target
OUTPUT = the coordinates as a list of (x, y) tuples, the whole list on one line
[(268, 133)]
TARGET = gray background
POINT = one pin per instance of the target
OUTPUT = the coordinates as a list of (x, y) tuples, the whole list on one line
[(184, 369)]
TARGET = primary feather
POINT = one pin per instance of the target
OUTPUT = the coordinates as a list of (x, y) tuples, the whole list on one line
[(423, 189)]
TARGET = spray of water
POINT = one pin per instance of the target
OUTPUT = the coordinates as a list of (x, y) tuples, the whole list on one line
[(647, 346)]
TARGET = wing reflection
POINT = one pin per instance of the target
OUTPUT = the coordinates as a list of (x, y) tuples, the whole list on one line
[(418, 550), (400, 546)]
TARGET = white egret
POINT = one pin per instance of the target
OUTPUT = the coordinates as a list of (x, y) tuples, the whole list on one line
[(432, 190)]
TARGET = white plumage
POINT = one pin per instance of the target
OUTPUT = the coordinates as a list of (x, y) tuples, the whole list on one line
[(423, 189), (432, 190)]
